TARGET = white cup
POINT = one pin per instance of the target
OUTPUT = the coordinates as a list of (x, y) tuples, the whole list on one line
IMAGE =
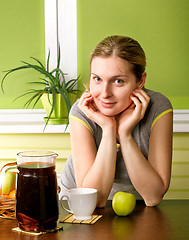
[(82, 202)]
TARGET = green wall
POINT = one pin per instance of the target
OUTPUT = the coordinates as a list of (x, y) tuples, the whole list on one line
[(162, 28), (21, 36)]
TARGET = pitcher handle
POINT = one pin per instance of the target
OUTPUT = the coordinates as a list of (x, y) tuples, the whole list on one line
[(62, 205)]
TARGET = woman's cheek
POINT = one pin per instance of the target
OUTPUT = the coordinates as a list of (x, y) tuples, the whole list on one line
[(94, 93), (126, 102)]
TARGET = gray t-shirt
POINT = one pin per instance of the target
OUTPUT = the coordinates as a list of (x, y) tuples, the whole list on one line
[(159, 106)]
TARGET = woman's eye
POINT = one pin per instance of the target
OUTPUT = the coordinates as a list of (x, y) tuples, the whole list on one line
[(119, 81), (97, 79)]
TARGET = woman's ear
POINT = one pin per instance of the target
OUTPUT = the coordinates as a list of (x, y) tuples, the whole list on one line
[(141, 83)]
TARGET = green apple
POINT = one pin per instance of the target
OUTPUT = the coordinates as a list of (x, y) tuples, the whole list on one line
[(123, 203), (8, 182)]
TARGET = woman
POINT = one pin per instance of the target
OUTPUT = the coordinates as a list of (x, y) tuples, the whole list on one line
[(121, 133)]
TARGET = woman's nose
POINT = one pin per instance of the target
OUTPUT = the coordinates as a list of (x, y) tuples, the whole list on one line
[(106, 90)]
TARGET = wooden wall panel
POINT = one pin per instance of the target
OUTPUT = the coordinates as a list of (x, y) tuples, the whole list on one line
[(11, 144)]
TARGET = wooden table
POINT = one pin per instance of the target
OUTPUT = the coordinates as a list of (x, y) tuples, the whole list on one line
[(168, 221)]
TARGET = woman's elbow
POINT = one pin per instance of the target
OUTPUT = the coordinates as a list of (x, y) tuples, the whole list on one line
[(152, 202), (155, 197), (101, 203)]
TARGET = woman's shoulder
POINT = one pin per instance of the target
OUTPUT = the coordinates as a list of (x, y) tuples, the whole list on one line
[(159, 105), (78, 115), (157, 97), (74, 109), (158, 100)]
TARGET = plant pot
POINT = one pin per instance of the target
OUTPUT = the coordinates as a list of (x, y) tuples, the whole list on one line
[(60, 113)]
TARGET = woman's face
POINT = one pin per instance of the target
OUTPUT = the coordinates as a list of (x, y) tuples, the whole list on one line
[(111, 84)]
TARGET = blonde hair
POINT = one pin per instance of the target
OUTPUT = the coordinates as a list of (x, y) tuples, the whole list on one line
[(125, 48)]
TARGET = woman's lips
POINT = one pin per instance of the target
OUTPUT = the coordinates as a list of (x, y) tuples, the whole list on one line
[(107, 104)]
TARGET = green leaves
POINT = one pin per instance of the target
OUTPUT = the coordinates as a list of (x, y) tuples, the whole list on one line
[(50, 82)]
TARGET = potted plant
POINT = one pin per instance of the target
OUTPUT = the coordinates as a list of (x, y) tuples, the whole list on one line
[(57, 94)]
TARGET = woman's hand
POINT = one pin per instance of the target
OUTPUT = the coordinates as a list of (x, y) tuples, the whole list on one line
[(87, 105), (129, 118)]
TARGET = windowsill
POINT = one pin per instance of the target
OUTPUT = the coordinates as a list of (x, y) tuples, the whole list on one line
[(31, 121), (181, 120), (27, 121)]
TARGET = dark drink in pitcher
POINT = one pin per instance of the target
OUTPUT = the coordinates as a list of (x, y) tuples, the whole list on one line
[(37, 197)]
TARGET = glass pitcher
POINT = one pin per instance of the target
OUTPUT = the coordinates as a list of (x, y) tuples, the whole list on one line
[(36, 191)]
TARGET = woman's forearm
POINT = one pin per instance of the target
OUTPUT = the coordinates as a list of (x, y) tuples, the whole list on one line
[(143, 176), (102, 172)]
